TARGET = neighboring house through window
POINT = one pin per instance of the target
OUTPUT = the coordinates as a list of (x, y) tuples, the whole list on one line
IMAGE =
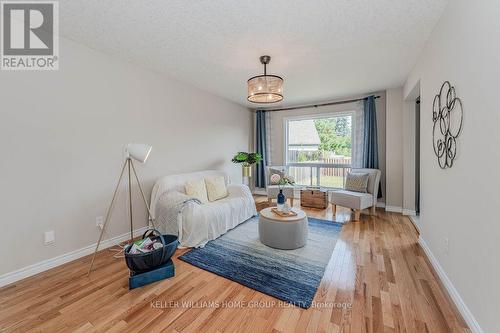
[(319, 149)]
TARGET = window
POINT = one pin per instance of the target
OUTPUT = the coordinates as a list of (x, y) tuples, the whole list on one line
[(319, 149)]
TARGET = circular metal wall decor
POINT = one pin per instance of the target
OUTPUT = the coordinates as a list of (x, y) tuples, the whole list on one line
[(447, 115)]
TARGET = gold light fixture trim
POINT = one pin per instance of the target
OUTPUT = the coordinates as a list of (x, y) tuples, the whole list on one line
[(265, 89)]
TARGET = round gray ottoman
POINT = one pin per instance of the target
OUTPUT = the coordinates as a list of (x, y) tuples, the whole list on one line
[(285, 233)]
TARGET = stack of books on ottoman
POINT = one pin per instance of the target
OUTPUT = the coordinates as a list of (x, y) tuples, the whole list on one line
[(149, 259)]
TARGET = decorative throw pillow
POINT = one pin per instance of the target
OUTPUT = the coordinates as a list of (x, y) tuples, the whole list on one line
[(216, 188), (275, 172), (356, 182), (197, 190)]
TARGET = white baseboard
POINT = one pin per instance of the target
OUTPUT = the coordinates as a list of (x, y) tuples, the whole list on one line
[(44, 265), (416, 222), (452, 291), (394, 209), (381, 204), (409, 212)]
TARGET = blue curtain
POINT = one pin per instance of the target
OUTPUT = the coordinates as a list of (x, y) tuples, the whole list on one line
[(370, 142), (260, 135)]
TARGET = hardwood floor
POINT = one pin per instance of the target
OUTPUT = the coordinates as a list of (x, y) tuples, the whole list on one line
[(378, 280)]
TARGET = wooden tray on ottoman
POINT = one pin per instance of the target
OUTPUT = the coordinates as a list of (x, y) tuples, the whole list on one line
[(283, 214), (314, 198)]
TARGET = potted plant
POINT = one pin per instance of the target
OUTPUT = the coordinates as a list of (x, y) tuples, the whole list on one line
[(247, 160)]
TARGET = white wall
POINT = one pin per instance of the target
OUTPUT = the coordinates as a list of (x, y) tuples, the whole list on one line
[(62, 134), (461, 203), (394, 149), (277, 137)]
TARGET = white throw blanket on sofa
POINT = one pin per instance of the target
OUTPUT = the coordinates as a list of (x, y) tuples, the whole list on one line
[(196, 223)]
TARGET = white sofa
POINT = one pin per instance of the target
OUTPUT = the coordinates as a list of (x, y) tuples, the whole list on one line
[(196, 223)]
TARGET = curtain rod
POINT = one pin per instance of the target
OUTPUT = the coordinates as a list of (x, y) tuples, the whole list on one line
[(318, 105)]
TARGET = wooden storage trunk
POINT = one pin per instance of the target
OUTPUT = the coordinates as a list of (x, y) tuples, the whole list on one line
[(314, 198)]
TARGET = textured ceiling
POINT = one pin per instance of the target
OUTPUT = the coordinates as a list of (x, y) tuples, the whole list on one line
[(324, 49)]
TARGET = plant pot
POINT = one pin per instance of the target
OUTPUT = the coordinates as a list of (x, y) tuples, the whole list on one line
[(247, 171)]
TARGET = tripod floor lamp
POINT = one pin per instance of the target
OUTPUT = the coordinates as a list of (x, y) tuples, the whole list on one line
[(138, 152)]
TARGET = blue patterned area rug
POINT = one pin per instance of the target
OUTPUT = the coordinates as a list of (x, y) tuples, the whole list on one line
[(289, 275)]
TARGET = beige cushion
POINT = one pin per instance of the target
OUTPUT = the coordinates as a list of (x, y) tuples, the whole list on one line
[(272, 172), (356, 182), (373, 180), (197, 190), (354, 200), (216, 188)]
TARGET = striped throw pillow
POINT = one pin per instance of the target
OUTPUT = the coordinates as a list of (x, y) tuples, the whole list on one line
[(356, 182)]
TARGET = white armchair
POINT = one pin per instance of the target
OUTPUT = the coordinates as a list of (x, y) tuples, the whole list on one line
[(358, 200), (273, 190)]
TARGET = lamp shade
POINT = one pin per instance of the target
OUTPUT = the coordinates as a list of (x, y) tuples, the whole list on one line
[(138, 151), (265, 89)]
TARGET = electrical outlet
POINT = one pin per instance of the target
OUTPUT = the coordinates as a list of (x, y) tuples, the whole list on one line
[(446, 246), (99, 222), (49, 237)]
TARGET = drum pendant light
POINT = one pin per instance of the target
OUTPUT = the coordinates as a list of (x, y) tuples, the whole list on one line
[(265, 88)]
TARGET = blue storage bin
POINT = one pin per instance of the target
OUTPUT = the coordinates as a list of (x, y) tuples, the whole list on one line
[(144, 262), (140, 279)]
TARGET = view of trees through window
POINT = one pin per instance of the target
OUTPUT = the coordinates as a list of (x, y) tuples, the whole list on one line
[(335, 135), (326, 141)]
